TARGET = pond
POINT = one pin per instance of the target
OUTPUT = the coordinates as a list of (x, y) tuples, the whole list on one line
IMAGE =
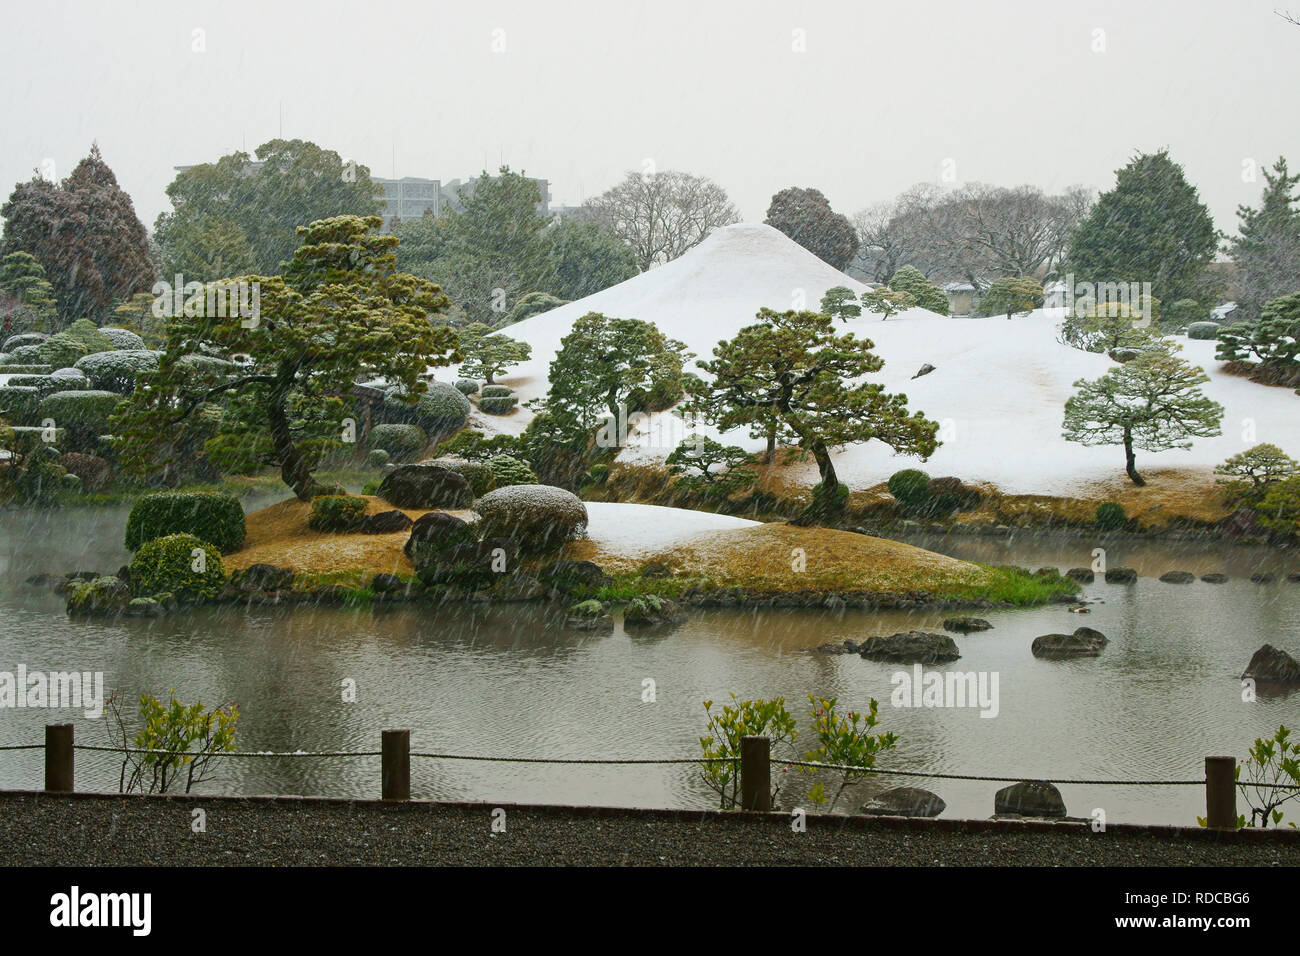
[(511, 680)]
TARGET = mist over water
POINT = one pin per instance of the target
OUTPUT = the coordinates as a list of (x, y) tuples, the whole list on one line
[(512, 681)]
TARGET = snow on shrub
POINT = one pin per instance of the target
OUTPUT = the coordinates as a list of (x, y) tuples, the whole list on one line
[(377, 458), (400, 441), (123, 338), (479, 474), (21, 339), (496, 391), (182, 565), (498, 404), (214, 517), (441, 409), (909, 486), (509, 470), (467, 386), (539, 518), (1203, 330), (49, 383), (83, 413), (117, 371)]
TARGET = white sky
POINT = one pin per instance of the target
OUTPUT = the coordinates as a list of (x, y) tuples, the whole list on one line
[(1010, 91)]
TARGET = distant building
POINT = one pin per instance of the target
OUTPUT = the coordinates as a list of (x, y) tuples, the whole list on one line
[(409, 198), (453, 191), (961, 298)]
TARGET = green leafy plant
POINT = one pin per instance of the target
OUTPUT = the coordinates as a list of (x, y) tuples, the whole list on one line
[(209, 515), (741, 718), (178, 564), (910, 486), (1268, 778), (336, 512), (845, 741), (1110, 516), (190, 736)]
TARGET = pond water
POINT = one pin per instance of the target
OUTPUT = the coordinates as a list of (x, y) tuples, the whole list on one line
[(513, 681)]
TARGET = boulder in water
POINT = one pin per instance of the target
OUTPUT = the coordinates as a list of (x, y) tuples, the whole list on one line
[(1273, 664), (1029, 798), (1084, 642), (910, 647), (1178, 577)]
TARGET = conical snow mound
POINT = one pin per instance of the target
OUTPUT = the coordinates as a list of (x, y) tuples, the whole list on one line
[(701, 298)]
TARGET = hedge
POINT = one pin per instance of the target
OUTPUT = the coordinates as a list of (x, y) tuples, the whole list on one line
[(498, 404), (1203, 330), (479, 474), (182, 565), (213, 516), (511, 471), (117, 371), (24, 439), (21, 339), (122, 338), (84, 414), (1111, 516), (496, 391), (19, 403), (910, 487), (400, 441), (539, 518), (48, 384), (336, 512), (442, 408), (467, 386)]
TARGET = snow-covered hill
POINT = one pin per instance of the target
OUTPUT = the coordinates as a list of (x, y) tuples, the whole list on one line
[(998, 388)]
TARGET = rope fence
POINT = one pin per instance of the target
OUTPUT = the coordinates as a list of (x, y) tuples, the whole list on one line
[(754, 768)]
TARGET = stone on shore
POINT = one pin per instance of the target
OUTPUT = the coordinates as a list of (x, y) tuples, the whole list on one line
[(904, 802), (1029, 798)]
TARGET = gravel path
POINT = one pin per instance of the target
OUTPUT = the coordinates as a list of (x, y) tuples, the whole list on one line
[(108, 830)]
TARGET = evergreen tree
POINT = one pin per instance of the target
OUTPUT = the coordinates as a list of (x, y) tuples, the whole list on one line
[(85, 235), (1152, 227), (1153, 402), (927, 295), (806, 216), (791, 366), (487, 354), (1267, 248), (1012, 295), (839, 302)]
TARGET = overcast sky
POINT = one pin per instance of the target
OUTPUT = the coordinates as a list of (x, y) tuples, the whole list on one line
[(881, 95)]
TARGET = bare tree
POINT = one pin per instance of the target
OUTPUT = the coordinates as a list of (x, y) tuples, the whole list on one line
[(662, 215)]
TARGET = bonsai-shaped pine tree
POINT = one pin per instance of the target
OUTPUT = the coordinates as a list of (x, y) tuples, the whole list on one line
[(340, 311), (487, 355), (928, 295), (840, 302), (1011, 296), (1153, 402), (887, 303), (791, 366), (1249, 474)]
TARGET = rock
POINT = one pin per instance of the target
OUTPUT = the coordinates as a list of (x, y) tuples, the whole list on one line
[(904, 802), (1242, 523), (519, 586), (1294, 577), (656, 570), (37, 580), (101, 596), (567, 576), (1124, 354), (267, 577), (388, 584), (1178, 577), (911, 647), (425, 486), (470, 564), (1121, 575), (1084, 642), (145, 607), (1082, 575), (966, 625), (650, 610), (848, 647), (1029, 798), (1047, 572), (1260, 577), (925, 369), (385, 522), (590, 616), (1214, 578), (435, 532), (1271, 663)]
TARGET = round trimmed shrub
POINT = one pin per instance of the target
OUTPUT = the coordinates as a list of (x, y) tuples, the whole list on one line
[(206, 365), (94, 472), (62, 350), (496, 391), (539, 518), (479, 474), (1110, 516), (377, 458), (20, 403), (182, 565), (211, 515), (22, 338), (25, 354), (441, 409), (28, 439), (1203, 330), (122, 338), (910, 487), (83, 413), (117, 371), (498, 404), (946, 495), (48, 384), (467, 386), (511, 471), (402, 442), (336, 512)]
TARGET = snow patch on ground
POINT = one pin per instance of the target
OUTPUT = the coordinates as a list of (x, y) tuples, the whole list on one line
[(636, 530)]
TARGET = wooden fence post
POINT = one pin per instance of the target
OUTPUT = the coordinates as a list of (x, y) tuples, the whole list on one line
[(1221, 793), (58, 758), (755, 773), (395, 765)]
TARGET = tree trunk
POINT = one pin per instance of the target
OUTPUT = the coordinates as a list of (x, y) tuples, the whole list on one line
[(826, 504), (770, 455), (1129, 459), (293, 468)]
